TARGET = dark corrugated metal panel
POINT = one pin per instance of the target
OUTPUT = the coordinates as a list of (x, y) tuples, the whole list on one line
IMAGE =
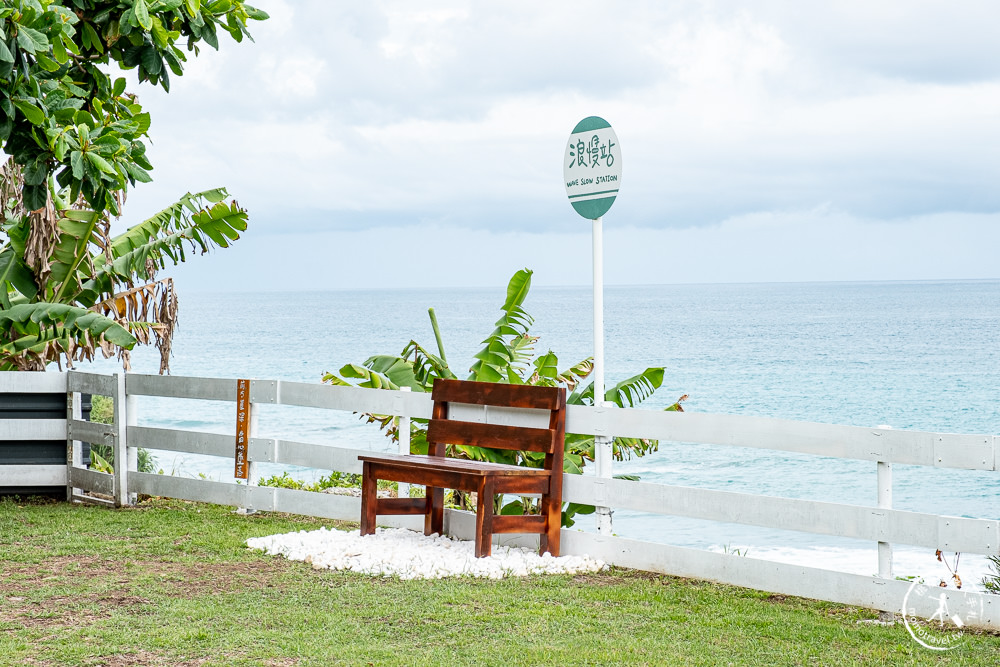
[(37, 452)]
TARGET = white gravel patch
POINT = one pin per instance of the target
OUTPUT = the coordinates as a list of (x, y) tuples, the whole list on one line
[(397, 552)]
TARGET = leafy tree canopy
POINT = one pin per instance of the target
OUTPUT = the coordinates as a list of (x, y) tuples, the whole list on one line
[(75, 142)]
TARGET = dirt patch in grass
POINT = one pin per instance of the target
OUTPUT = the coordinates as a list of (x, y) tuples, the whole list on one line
[(28, 579), (200, 578), (618, 577), (62, 612), (32, 595), (216, 578), (129, 659), (150, 659)]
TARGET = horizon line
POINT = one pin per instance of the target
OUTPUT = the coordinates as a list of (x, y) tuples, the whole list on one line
[(466, 288)]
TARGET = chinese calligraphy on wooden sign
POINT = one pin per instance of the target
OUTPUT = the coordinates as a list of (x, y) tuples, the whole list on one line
[(242, 429), (592, 167)]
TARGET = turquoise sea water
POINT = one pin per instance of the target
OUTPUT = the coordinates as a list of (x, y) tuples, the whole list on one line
[(912, 355)]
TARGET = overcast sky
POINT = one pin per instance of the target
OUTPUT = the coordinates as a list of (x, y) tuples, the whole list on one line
[(406, 144)]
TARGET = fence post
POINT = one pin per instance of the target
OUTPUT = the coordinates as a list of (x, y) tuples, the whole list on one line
[(74, 449), (251, 464), (120, 443), (885, 548), (603, 463), (404, 447), (131, 419)]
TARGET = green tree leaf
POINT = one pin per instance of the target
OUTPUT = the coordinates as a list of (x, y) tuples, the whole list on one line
[(151, 60), (35, 196), (159, 33), (92, 39), (142, 15), (138, 173), (76, 158), (36, 171), (255, 14), (99, 162), (14, 273), (32, 40), (34, 115), (143, 120)]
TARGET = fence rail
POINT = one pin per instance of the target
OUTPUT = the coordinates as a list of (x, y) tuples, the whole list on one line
[(939, 450), (881, 525), (774, 577), (980, 536), (32, 383)]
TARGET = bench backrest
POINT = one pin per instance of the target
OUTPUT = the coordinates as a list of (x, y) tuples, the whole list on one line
[(444, 429)]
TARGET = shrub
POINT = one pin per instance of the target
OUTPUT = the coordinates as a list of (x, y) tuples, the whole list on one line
[(102, 457)]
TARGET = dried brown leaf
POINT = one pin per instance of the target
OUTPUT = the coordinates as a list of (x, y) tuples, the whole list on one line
[(149, 312)]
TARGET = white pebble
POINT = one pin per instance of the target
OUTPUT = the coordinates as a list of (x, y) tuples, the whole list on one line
[(397, 552)]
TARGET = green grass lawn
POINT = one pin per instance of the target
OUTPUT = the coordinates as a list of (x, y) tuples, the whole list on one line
[(171, 583)]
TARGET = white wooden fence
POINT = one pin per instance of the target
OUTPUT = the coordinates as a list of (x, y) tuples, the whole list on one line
[(882, 525)]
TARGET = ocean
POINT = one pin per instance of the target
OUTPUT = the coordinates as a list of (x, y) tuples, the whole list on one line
[(911, 355)]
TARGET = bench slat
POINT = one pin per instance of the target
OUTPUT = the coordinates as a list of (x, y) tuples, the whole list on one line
[(518, 523), (401, 506), (417, 474), (493, 436), (491, 393), (453, 465)]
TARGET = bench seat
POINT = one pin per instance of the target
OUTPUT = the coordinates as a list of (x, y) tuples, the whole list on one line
[(447, 464)]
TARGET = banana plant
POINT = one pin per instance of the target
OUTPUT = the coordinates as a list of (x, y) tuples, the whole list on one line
[(68, 289), (508, 356)]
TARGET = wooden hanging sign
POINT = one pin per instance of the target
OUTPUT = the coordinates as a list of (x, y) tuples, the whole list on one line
[(242, 429)]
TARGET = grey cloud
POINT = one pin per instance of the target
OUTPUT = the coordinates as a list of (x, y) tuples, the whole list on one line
[(920, 40), (314, 126)]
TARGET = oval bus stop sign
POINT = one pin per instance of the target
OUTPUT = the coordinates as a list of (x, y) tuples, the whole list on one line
[(592, 167)]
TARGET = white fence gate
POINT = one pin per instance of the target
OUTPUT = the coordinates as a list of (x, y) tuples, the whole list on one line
[(92, 486)]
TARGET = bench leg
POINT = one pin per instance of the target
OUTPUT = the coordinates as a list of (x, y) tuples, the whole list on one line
[(434, 520), (484, 518), (369, 500), (549, 540)]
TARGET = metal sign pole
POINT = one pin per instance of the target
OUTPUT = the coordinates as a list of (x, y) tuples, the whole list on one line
[(403, 429), (598, 312), (602, 443)]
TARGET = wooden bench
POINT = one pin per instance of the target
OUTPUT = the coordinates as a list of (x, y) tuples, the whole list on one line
[(438, 472)]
